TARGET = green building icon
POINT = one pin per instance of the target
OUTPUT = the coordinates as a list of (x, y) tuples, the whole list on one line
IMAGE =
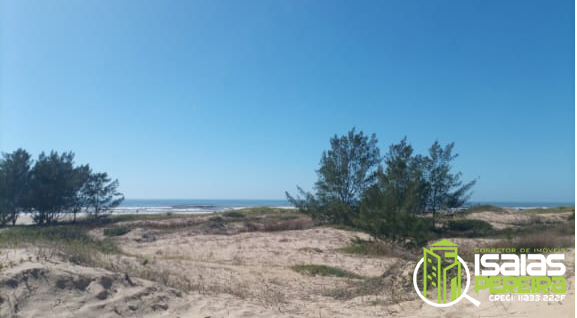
[(436, 276)]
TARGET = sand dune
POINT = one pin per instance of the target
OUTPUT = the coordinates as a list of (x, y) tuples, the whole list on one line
[(247, 274), (64, 290)]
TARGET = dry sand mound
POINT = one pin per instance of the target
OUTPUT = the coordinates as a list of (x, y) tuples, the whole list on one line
[(64, 290), (515, 219), (245, 274)]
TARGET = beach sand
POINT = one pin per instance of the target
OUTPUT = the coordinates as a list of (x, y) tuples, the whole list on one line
[(244, 274)]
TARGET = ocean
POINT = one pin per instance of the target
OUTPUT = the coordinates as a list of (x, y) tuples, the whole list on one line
[(523, 205), (192, 205), (217, 205)]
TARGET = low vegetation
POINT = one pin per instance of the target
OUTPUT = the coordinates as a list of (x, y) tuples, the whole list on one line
[(539, 236), (559, 209), (234, 214), (73, 243), (390, 288), (116, 231), (398, 199), (367, 247), (261, 219), (68, 242), (323, 270)]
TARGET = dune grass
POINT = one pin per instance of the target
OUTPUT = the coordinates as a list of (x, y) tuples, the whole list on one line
[(559, 209), (323, 270), (116, 231), (483, 208), (58, 234), (67, 242), (367, 247)]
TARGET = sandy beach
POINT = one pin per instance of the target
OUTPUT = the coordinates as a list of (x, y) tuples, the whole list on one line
[(193, 267)]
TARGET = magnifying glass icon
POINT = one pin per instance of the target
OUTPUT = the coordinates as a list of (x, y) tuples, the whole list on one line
[(463, 295)]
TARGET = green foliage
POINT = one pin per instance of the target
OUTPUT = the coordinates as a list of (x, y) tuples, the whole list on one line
[(446, 190), (400, 228), (571, 217), (79, 179), (558, 209), (353, 189), (116, 231), (217, 219), (366, 247), (346, 171), (51, 187), (234, 214), (402, 185), (68, 237), (14, 181), (348, 168), (323, 270), (389, 209), (99, 194)]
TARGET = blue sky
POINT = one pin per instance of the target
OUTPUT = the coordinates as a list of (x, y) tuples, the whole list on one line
[(238, 99)]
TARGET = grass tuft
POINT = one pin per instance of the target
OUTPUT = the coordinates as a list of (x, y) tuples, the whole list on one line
[(367, 247), (323, 270), (68, 242), (116, 231), (234, 214), (559, 209)]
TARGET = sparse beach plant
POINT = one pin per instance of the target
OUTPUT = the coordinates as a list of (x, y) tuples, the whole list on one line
[(116, 231), (323, 270)]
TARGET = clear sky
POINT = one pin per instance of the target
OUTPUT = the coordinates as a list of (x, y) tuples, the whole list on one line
[(238, 99)]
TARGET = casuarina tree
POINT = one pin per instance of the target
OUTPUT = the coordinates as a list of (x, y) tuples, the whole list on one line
[(100, 194), (14, 182), (346, 171)]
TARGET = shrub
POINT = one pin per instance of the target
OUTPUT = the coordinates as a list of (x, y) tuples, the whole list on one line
[(366, 247), (399, 228), (323, 270), (216, 219), (116, 231), (234, 215)]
